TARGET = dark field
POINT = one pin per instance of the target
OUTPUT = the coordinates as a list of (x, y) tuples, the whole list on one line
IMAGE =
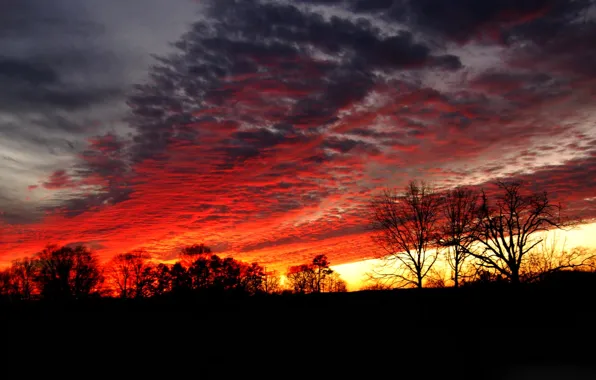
[(489, 332)]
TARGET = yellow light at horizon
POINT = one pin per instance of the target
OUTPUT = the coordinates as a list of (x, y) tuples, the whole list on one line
[(355, 273)]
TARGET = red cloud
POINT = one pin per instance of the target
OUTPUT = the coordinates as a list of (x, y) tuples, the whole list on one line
[(59, 180)]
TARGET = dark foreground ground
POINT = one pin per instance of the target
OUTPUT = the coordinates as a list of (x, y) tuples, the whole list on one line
[(478, 333)]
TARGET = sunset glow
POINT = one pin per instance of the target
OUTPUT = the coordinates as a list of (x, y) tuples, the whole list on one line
[(266, 128)]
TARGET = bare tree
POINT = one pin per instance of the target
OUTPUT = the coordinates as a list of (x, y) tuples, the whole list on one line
[(552, 256), (271, 282), (437, 279), (130, 274), (509, 227), (22, 273), (460, 209), (300, 279), (590, 258), (333, 283), (405, 226)]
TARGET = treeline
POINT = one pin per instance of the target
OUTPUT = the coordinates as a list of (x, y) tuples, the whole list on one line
[(62, 273), (481, 236)]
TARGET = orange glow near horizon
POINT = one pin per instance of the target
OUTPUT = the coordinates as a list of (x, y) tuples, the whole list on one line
[(355, 272)]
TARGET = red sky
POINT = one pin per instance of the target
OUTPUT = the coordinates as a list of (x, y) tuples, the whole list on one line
[(270, 126)]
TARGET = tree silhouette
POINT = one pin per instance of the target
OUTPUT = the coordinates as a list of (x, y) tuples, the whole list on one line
[(300, 278), (333, 283), (552, 256), (436, 279), (252, 278), (374, 285), (162, 279), (509, 226), (321, 269), (198, 260), (67, 272), (315, 277), (405, 226), (225, 273), (213, 273), (460, 209), (200, 273), (271, 282), (130, 274), (21, 277), (180, 280), (5, 282)]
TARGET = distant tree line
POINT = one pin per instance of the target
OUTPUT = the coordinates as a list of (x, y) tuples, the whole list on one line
[(482, 237), (71, 273)]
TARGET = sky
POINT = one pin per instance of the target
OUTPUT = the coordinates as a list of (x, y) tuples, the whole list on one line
[(263, 128)]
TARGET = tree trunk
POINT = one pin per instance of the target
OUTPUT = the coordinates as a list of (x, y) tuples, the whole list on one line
[(514, 275)]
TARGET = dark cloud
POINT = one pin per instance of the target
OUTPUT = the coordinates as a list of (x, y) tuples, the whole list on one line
[(567, 54), (348, 145), (465, 20), (372, 5), (550, 21), (448, 62), (276, 40), (45, 47), (29, 72), (362, 43), (62, 98), (24, 18), (251, 142)]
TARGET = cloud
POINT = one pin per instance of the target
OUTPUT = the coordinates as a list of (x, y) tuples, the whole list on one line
[(262, 138), (59, 180), (65, 68), (13, 69), (53, 75), (46, 76)]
